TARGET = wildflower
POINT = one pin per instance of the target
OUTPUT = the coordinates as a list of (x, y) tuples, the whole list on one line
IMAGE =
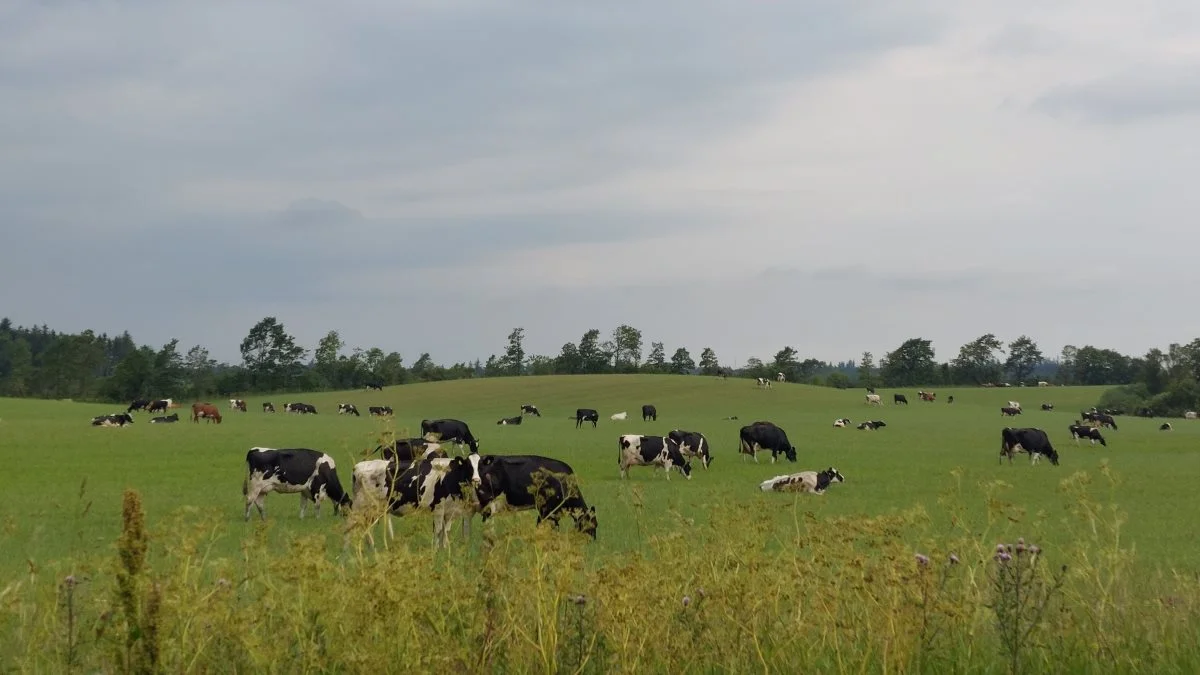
[(922, 559), (1034, 549), (579, 599), (69, 581), (1020, 546), (953, 558), (686, 601), (999, 548), (700, 592)]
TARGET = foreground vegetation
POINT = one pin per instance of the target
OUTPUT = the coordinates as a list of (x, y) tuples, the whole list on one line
[(125, 549)]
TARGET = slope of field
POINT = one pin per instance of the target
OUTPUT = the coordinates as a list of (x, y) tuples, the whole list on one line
[(50, 451)]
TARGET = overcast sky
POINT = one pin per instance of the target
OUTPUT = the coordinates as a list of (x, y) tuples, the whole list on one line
[(426, 175)]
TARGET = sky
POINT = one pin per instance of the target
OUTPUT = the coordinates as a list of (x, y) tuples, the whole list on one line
[(427, 175)]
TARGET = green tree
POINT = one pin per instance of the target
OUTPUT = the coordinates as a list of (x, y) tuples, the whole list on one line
[(537, 364), (326, 359), (1154, 372), (17, 372), (170, 376), (568, 361), (1066, 364), (626, 348), (200, 371), (976, 362), (838, 380), (681, 362), (514, 355), (422, 368), (593, 358), (708, 361), (656, 361), (866, 366), (271, 356), (785, 362), (133, 377), (1023, 357), (910, 364)]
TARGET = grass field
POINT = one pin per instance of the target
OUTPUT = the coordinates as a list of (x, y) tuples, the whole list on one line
[(51, 450), (701, 575)]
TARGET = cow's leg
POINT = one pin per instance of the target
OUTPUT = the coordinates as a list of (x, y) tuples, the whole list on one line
[(303, 504)]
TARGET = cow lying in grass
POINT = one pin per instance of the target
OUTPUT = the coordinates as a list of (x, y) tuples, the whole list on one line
[(814, 482)]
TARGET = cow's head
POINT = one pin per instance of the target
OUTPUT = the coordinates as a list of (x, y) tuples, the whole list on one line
[(790, 453), (1053, 455), (835, 476)]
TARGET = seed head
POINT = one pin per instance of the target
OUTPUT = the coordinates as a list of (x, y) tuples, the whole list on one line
[(686, 601)]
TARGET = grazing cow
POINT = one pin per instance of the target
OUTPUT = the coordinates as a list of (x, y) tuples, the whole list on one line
[(113, 420), (268, 407), (447, 430), (692, 444), (348, 409), (511, 420), (950, 399), (650, 413), (841, 422), (1079, 431), (870, 390), (657, 451), (764, 382), (301, 408), (619, 417), (899, 398), (586, 415), (160, 405), (1047, 406), (874, 399), (445, 486), (1189, 415), (530, 409), (410, 449), (1104, 420), (290, 470), (871, 426), (207, 411), (926, 396), (814, 482), (779, 377), (1043, 383), (1014, 404), (139, 404), (237, 404), (168, 419), (765, 436), (1028, 440), (533, 482), (370, 485), (379, 410), (1165, 426), (1009, 411), (374, 386)]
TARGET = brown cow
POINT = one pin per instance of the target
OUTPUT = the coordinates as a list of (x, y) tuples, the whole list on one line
[(206, 410)]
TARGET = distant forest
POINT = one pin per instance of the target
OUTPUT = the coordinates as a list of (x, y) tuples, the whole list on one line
[(42, 363)]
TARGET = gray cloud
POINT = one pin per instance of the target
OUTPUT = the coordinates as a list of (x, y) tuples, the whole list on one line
[(1131, 96)]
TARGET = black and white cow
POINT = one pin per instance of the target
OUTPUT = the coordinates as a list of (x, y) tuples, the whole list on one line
[(649, 413), (656, 451), (139, 404), (410, 449), (237, 404), (841, 422), (379, 410), (1047, 407), (511, 420), (268, 407), (765, 436), (301, 408), (871, 425), (1009, 411), (446, 486), (530, 409), (348, 409), (533, 482), (764, 382), (899, 398), (113, 420), (1035, 442), (692, 444), (311, 473), (449, 430), (1165, 426), (160, 405), (815, 482), (174, 417), (1079, 431), (586, 415), (375, 386)]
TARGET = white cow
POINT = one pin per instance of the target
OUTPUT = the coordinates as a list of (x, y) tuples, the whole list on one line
[(841, 422), (619, 416), (779, 377), (1014, 404), (1189, 415), (874, 399)]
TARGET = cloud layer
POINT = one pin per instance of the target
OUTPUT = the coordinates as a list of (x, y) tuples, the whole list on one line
[(424, 176)]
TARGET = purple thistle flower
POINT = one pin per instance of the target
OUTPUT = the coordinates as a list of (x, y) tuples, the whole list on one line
[(686, 601), (922, 559), (999, 548), (1021, 546), (1005, 557)]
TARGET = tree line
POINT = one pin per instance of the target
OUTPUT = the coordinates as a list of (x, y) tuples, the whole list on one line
[(40, 362)]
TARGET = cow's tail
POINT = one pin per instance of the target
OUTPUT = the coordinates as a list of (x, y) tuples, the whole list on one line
[(246, 484)]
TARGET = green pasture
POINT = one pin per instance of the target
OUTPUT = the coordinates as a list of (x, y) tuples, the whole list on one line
[(53, 456)]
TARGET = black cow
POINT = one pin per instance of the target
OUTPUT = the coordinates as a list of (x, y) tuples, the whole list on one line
[(766, 436), (1047, 406), (446, 430), (410, 449), (1105, 420), (649, 412), (586, 415), (174, 417), (533, 482), (950, 399), (290, 470), (441, 485), (113, 420), (348, 409), (530, 409), (268, 407), (1079, 431), (1165, 426), (139, 404), (1028, 440), (870, 390), (160, 405), (376, 386), (379, 410), (638, 450), (302, 408), (899, 398), (1008, 411), (692, 444), (872, 425), (511, 420)]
